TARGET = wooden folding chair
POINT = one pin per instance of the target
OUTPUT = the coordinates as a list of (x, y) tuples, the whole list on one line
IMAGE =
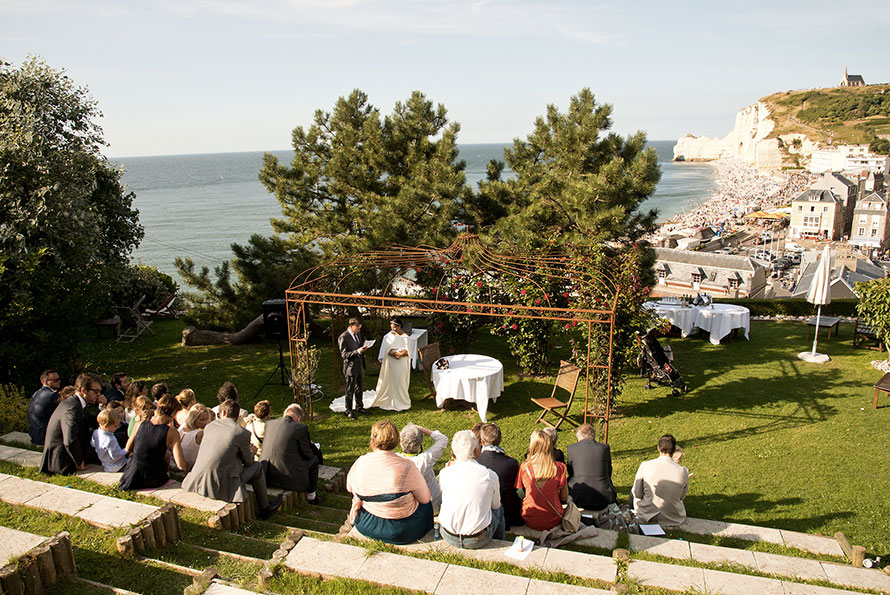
[(428, 356), (567, 379), (132, 322), (165, 310)]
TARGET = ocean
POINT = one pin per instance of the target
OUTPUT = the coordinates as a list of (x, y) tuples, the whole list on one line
[(197, 206)]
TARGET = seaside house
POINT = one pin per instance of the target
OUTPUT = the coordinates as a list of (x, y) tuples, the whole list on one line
[(843, 187), (848, 158), (870, 228), (682, 272), (817, 214), (847, 272)]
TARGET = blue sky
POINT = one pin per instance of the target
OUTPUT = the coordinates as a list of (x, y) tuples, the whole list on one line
[(187, 76)]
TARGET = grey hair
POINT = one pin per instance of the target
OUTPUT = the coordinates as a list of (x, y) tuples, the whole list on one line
[(551, 433), (585, 432), (464, 445), (411, 439), (295, 409)]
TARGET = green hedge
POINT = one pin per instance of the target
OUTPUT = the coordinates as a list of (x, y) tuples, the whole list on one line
[(762, 307)]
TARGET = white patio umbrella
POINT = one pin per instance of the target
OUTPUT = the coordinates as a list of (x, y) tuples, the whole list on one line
[(819, 295)]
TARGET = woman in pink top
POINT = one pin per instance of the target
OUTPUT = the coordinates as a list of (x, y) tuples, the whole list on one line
[(390, 498)]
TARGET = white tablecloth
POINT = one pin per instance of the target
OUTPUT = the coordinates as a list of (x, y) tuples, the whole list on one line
[(418, 338), (473, 378), (721, 319)]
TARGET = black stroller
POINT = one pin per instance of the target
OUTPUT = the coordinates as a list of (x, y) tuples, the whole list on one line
[(657, 365)]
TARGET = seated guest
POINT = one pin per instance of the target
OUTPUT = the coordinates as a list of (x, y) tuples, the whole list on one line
[(43, 403), (544, 483), (292, 459), (159, 391), (118, 389), (138, 388), (121, 432), (225, 392), (558, 455), (225, 464), (256, 424), (148, 449), (590, 470), (185, 398), (192, 431), (390, 498), (110, 452), (506, 468), (411, 440), (471, 512), (143, 410), (660, 486), (67, 432)]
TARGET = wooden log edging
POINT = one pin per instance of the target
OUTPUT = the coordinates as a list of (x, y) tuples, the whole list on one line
[(41, 568), (338, 482), (158, 530)]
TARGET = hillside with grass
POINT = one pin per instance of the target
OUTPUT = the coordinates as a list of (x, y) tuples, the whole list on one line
[(842, 115)]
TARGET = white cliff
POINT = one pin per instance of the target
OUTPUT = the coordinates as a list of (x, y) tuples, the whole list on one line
[(747, 142)]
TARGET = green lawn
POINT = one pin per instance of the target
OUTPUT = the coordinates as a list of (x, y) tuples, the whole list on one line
[(770, 439)]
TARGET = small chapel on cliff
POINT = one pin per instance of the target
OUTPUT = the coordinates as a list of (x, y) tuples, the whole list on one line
[(851, 80)]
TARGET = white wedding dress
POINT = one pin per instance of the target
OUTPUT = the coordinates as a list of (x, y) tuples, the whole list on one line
[(395, 375)]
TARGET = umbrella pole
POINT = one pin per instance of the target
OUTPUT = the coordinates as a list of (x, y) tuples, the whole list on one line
[(816, 334)]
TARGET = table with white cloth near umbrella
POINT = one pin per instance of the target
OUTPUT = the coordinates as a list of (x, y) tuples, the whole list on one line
[(819, 295), (469, 377)]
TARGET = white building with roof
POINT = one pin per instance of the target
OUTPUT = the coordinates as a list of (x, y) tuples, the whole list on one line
[(681, 272)]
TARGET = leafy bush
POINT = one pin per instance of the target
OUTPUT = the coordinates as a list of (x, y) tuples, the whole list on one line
[(763, 307), (142, 280), (874, 307), (13, 409)]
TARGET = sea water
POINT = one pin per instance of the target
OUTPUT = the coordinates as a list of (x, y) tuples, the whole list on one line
[(197, 206)]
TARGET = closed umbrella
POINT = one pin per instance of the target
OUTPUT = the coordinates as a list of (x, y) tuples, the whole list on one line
[(819, 295)]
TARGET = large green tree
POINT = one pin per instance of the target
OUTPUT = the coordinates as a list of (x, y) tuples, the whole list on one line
[(573, 180), (358, 181), (67, 226)]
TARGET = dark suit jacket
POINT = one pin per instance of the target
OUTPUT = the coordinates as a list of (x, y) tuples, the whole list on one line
[(506, 468), (112, 394), (353, 359), (224, 452), (63, 450), (41, 408), (290, 454), (589, 465)]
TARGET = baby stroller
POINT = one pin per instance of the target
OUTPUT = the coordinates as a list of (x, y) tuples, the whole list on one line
[(655, 364)]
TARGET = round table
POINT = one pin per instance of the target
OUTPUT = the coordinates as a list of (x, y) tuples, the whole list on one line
[(469, 377), (721, 319), (680, 317)]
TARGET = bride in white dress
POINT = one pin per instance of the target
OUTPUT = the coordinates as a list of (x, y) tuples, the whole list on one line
[(395, 370)]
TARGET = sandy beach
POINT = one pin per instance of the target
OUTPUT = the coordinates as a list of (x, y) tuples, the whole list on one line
[(741, 190)]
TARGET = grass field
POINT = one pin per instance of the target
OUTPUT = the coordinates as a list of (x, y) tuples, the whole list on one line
[(770, 440)]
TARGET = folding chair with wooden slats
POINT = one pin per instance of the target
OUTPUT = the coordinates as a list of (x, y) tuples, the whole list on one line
[(132, 322), (567, 379), (165, 310), (428, 356)]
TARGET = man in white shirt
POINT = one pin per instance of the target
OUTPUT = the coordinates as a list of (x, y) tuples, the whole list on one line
[(411, 440), (660, 486), (470, 495)]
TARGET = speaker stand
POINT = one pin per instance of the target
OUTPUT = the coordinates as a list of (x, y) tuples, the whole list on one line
[(280, 367)]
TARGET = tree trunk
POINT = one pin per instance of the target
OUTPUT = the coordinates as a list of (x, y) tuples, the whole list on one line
[(192, 336)]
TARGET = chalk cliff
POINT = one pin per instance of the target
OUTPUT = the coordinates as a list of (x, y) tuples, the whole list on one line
[(748, 141)]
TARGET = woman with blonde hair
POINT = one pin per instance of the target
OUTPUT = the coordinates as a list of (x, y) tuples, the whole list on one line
[(186, 399), (143, 409), (192, 431), (390, 498), (545, 484)]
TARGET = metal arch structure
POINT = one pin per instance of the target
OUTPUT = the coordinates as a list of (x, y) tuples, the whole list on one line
[(326, 286)]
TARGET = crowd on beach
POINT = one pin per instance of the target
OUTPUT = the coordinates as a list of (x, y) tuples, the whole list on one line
[(741, 190), (146, 433)]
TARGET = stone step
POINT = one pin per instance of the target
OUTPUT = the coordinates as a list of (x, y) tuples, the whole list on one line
[(605, 539), (217, 587), (33, 563), (328, 559), (688, 578), (817, 544), (17, 438)]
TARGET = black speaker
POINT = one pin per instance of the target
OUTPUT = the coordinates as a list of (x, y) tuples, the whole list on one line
[(275, 319)]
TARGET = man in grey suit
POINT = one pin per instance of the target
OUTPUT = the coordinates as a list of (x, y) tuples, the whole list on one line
[(291, 458), (589, 466), (225, 464), (352, 351), (67, 434)]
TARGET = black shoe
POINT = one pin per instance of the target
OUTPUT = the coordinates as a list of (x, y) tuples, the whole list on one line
[(268, 511), (319, 499), (350, 415), (363, 411)]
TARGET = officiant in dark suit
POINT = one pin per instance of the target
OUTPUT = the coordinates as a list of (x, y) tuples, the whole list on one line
[(352, 350)]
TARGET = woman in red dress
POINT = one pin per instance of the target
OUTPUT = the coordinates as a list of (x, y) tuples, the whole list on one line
[(544, 482)]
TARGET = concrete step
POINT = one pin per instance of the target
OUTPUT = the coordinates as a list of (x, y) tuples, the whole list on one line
[(817, 544), (329, 559), (32, 563)]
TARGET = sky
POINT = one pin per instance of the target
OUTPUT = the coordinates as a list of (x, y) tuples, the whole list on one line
[(208, 76)]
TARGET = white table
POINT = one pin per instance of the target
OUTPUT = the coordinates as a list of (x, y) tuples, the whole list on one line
[(469, 377), (721, 319), (417, 339)]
